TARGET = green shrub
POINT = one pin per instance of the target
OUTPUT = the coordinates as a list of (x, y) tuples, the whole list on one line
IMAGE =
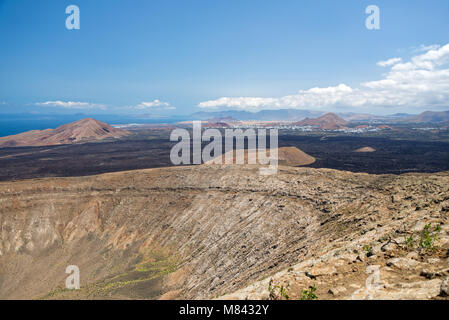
[(282, 291), (429, 236), (410, 241), (309, 294)]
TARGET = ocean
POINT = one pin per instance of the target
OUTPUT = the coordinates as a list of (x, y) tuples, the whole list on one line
[(17, 123)]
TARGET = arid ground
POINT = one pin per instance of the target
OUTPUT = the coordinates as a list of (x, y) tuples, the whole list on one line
[(226, 232)]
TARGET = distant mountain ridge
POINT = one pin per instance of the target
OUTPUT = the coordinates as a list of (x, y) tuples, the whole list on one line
[(299, 115), (79, 131), (263, 115), (430, 116)]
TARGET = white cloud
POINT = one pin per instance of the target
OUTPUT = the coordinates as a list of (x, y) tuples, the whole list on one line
[(423, 48), (389, 62), (421, 83), (239, 102), (155, 104), (71, 105)]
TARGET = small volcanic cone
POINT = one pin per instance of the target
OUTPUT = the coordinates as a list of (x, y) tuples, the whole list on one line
[(329, 121), (287, 156), (365, 149)]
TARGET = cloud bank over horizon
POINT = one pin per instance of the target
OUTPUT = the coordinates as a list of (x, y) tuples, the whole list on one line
[(420, 83), (417, 84), (71, 105), (155, 105)]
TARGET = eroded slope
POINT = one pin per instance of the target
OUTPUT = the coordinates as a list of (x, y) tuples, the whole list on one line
[(195, 232)]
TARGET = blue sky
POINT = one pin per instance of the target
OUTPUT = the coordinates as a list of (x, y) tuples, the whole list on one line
[(178, 57)]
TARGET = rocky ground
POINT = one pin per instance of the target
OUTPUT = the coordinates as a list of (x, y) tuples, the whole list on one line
[(227, 232)]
